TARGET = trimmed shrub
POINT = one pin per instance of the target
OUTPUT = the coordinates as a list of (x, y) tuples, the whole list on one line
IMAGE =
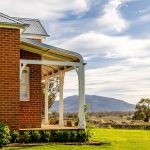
[(36, 136), (63, 136), (67, 136), (46, 136), (88, 134), (4, 134), (73, 136), (59, 136), (26, 137), (15, 136), (83, 136)]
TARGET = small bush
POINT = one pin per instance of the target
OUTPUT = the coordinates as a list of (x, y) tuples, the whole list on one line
[(84, 136), (59, 136), (67, 136), (46, 136), (15, 136), (63, 136), (4, 134), (36, 136), (73, 136), (26, 137), (89, 134), (81, 136)]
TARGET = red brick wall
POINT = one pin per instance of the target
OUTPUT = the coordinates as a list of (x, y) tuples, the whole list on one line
[(9, 76), (30, 111)]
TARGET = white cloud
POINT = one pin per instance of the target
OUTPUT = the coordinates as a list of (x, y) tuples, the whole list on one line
[(127, 79), (90, 57), (112, 46), (71, 84), (144, 18), (122, 80), (43, 9), (112, 19), (143, 11)]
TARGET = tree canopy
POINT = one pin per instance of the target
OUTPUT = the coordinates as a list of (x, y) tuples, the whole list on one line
[(142, 110), (53, 89)]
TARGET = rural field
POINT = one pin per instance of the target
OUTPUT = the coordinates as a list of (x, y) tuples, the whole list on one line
[(115, 139)]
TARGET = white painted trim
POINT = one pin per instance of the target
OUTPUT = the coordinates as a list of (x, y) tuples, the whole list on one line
[(28, 85), (46, 100), (81, 78), (33, 36), (22, 66), (61, 102), (40, 62)]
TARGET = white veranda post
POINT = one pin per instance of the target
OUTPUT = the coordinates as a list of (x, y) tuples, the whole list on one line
[(61, 105), (81, 74), (46, 100)]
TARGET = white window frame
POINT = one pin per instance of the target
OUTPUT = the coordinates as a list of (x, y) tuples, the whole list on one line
[(28, 85)]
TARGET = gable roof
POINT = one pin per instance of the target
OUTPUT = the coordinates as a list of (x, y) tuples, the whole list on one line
[(9, 20), (35, 27)]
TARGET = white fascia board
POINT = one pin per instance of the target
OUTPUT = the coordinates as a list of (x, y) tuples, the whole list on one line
[(53, 48), (58, 63), (33, 36)]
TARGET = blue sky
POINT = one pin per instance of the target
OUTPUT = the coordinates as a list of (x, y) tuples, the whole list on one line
[(112, 35)]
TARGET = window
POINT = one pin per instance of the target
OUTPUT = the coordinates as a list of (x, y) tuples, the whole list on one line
[(24, 85)]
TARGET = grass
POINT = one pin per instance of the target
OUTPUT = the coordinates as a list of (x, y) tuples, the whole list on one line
[(116, 139)]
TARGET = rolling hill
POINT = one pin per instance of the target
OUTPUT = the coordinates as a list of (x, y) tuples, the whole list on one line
[(97, 104)]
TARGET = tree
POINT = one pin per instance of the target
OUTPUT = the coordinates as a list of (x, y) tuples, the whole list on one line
[(53, 89), (142, 110)]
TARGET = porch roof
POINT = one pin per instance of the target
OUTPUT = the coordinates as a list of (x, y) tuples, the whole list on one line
[(51, 53)]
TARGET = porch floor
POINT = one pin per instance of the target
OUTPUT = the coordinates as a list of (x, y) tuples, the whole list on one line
[(51, 127)]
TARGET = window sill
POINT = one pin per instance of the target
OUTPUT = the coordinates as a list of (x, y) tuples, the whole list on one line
[(24, 100)]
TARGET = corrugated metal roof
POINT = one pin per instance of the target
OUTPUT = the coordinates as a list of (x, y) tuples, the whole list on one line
[(35, 27), (7, 19), (49, 50)]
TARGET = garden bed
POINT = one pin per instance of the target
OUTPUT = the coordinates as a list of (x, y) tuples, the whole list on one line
[(38, 137), (95, 143)]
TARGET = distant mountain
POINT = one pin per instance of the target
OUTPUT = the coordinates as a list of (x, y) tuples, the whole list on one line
[(97, 104)]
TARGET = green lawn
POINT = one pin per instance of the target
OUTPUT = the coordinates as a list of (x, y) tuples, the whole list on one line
[(117, 140)]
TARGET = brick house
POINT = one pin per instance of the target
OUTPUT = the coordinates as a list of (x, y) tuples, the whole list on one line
[(24, 62)]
